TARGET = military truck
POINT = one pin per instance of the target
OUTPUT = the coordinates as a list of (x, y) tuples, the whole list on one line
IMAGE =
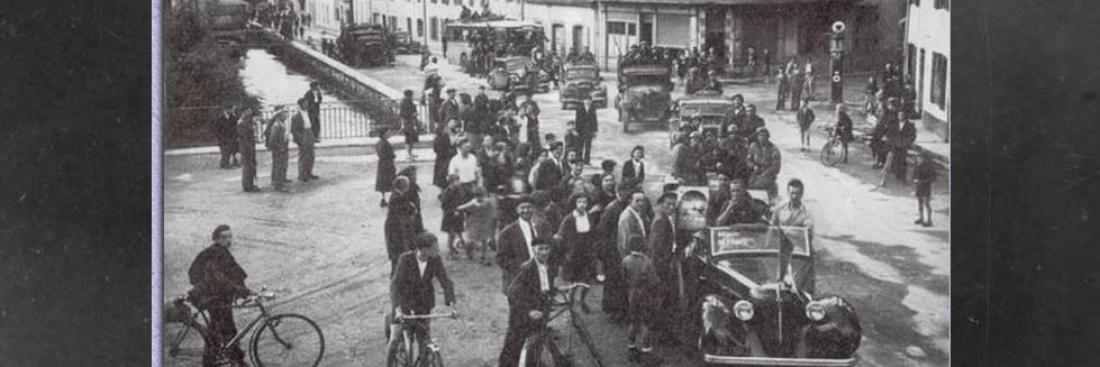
[(581, 81), (644, 95), (365, 45)]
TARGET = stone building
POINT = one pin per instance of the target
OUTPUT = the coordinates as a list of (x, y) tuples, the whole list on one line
[(927, 56)]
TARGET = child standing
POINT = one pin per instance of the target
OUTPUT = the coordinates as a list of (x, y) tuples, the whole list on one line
[(923, 176), (481, 215), (644, 296)]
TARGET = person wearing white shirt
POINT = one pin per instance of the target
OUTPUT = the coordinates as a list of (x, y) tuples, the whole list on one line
[(578, 244), (529, 299), (465, 164), (516, 243)]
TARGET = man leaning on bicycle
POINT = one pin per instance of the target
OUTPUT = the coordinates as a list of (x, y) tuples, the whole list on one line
[(411, 286), (528, 303), (217, 280)]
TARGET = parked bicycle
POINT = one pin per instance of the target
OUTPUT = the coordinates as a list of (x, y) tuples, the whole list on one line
[(400, 353), (545, 344), (833, 150), (284, 339)]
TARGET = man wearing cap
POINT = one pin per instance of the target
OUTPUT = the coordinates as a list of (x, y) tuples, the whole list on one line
[(549, 173), (529, 300), (516, 243), (411, 287), (449, 109), (750, 123), (764, 162), (218, 279), (313, 108), (686, 159)]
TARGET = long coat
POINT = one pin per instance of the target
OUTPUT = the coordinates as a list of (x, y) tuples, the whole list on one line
[(512, 251), (416, 293), (400, 225), (586, 121), (578, 249), (633, 174), (615, 290), (631, 224), (767, 161), (443, 153), (387, 169)]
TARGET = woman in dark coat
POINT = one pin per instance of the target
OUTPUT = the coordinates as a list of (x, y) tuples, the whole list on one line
[(400, 226), (453, 223), (443, 153), (409, 125), (843, 128), (576, 237), (387, 169), (413, 196)]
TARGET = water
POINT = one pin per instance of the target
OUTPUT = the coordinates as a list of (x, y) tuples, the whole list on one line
[(270, 80)]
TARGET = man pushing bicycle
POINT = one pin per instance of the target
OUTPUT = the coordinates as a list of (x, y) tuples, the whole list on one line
[(218, 280), (411, 287)]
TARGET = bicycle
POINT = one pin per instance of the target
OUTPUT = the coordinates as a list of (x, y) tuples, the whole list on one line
[(563, 298), (833, 151), (400, 352), (277, 335)]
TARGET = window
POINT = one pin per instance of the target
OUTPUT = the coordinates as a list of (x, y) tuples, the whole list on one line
[(915, 2), (631, 29), (616, 28), (434, 1), (446, 2), (911, 60), (942, 4), (409, 25), (420, 28), (434, 24), (393, 23), (939, 79)]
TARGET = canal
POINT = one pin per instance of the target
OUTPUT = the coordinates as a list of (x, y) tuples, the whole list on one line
[(275, 82)]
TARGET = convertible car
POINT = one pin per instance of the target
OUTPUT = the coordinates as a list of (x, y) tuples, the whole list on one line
[(752, 291)]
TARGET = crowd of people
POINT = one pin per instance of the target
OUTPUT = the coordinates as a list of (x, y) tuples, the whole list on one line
[(285, 20)]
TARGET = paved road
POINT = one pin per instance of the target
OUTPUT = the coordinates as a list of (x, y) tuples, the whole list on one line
[(323, 244)]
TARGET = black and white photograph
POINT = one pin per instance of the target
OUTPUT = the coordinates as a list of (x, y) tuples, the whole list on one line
[(587, 183)]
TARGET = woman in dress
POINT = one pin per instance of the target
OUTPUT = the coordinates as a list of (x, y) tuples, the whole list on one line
[(576, 238), (387, 169), (481, 223), (452, 222)]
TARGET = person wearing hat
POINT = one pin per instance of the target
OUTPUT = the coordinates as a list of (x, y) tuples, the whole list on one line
[(764, 162), (217, 280), (277, 139), (529, 300), (712, 83), (313, 108), (449, 109), (387, 168), (246, 139), (686, 160), (750, 123), (516, 242), (411, 287), (576, 237), (409, 125)]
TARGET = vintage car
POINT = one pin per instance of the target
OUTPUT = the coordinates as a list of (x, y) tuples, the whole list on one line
[(580, 82), (749, 289), (511, 73), (704, 111), (644, 94), (404, 44), (365, 45)]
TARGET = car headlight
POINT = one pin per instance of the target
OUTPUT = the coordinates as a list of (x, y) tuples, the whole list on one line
[(815, 311), (743, 310)]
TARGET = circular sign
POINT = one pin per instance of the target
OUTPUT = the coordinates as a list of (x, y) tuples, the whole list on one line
[(838, 27), (836, 78)]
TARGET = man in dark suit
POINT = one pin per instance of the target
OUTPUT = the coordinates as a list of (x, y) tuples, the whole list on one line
[(614, 301), (313, 100), (218, 280), (450, 108), (586, 129), (301, 127), (662, 247), (246, 138), (550, 172), (276, 139), (515, 243), (529, 299), (411, 287)]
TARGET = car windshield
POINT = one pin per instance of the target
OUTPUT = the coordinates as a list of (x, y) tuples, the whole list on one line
[(581, 73), (634, 79), (705, 109), (755, 239)]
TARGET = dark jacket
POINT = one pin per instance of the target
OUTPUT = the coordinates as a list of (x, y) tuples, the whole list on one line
[(512, 248), (548, 175), (387, 169), (586, 121), (805, 117), (313, 101), (408, 109), (216, 277), (844, 127), (414, 292), (662, 241), (525, 293), (632, 173), (302, 135)]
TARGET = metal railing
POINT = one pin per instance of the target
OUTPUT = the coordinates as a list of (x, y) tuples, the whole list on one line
[(342, 119)]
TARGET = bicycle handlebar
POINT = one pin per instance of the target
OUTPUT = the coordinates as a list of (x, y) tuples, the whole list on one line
[(452, 314), (571, 287)]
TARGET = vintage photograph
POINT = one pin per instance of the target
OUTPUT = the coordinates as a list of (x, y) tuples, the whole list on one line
[(556, 183)]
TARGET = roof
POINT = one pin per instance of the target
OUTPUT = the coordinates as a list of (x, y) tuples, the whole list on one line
[(726, 2)]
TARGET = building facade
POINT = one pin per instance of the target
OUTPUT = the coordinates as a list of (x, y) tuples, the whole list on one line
[(328, 15), (927, 61)]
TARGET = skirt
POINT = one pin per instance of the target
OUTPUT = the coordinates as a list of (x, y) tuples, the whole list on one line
[(580, 266), (453, 222), (924, 190)]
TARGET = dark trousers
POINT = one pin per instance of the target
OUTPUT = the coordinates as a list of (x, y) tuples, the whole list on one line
[(279, 160), (248, 167), (586, 148), (796, 96), (519, 329), (533, 138), (615, 290), (781, 100), (226, 153), (221, 330), (315, 122), (305, 159)]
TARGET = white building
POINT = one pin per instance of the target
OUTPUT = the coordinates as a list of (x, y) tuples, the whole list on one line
[(928, 52), (327, 14)]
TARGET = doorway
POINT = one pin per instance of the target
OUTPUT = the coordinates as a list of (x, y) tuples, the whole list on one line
[(578, 37), (645, 29), (557, 39)]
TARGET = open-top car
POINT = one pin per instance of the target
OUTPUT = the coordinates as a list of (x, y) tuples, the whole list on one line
[(751, 288), (704, 111), (644, 94), (581, 81)]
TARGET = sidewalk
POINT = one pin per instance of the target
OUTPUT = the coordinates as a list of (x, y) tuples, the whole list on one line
[(398, 143)]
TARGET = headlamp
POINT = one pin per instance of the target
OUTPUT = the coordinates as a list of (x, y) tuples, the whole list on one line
[(815, 311), (743, 310)]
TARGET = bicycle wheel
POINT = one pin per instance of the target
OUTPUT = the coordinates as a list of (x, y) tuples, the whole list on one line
[(184, 340), (288, 340), (433, 360), (832, 153), (399, 354)]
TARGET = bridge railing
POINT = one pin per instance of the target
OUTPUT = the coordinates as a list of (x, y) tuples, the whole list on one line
[(339, 120)]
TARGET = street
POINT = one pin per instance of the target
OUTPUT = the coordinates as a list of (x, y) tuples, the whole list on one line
[(322, 245)]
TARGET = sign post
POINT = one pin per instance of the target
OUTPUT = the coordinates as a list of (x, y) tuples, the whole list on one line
[(836, 62)]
